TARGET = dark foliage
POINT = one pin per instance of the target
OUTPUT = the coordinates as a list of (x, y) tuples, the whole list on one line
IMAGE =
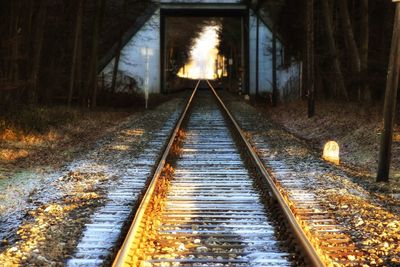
[(37, 44), (45, 30), (291, 23)]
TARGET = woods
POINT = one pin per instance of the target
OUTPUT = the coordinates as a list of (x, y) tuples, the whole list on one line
[(389, 114), (351, 45), (345, 49), (48, 49), (186, 124), (45, 58)]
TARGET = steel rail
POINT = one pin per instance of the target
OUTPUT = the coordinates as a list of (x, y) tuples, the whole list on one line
[(129, 241), (309, 250)]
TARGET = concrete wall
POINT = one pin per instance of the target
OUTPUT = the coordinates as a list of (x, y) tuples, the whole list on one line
[(133, 60), (287, 78)]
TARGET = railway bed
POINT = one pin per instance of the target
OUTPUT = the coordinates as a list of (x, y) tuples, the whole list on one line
[(209, 202)]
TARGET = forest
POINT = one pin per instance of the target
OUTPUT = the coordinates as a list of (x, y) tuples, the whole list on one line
[(50, 50), (78, 155)]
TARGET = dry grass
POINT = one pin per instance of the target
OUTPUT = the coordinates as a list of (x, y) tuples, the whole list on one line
[(356, 129), (45, 135)]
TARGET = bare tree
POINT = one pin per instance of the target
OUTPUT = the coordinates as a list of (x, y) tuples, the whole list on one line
[(364, 48), (77, 46), (119, 48), (389, 112), (92, 79), (353, 54), (310, 58), (37, 51), (326, 13)]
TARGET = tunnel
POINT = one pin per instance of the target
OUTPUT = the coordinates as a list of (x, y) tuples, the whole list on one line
[(150, 62)]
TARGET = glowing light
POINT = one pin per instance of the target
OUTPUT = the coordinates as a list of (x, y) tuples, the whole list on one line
[(331, 152), (203, 56)]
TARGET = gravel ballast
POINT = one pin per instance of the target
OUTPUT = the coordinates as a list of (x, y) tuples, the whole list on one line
[(43, 228), (371, 220)]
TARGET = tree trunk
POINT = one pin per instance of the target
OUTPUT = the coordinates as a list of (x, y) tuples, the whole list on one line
[(27, 36), (389, 112), (37, 51), (15, 59), (29, 20), (310, 58), (92, 79), (332, 48), (118, 55), (116, 66), (79, 83), (11, 32), (364, 48), (78, 29), (14, 42), (350, 40), (349, 34)]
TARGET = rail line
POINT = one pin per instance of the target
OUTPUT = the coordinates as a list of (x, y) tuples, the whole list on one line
[(211, 202)]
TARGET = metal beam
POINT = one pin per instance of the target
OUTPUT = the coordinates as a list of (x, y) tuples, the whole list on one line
[(127, 36), (202, 10), (209, 6)]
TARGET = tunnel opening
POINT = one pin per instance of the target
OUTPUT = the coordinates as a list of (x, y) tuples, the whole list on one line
[(203, 44), (204, 59)]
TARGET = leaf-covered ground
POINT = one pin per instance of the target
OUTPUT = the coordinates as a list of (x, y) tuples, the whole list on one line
[(368, 213), (51, 135), (357, 130), (47, 198)]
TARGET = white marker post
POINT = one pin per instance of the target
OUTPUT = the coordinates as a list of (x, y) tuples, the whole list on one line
[(147, 52), (230, 63)]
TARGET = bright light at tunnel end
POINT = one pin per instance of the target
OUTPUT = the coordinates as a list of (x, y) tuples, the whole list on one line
[(203, 55)]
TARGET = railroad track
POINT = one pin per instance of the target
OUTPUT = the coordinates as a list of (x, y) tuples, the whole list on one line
[(100, 237), (211, 201), (311, 208)]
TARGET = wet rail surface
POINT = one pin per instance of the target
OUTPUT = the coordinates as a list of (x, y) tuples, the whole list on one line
[(212, 213)]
